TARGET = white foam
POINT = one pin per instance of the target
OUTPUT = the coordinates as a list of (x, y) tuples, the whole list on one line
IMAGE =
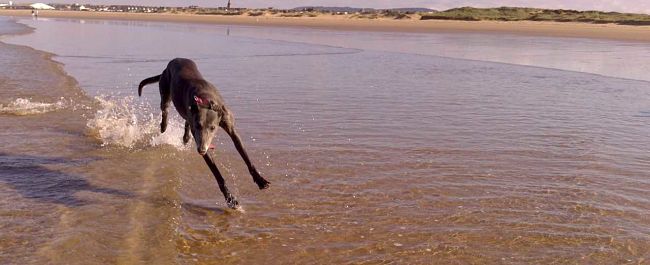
[(128, 122), (172, 136), (23, 106)]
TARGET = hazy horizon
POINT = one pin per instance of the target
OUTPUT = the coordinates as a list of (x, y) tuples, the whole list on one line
[(634, 6)]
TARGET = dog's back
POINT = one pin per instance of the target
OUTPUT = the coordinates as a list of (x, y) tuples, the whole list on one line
[(184, 81), (184, 69)]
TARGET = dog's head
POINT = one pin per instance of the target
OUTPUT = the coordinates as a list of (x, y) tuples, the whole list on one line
[(204, 122)]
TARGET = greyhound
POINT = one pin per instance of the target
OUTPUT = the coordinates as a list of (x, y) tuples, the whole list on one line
[(203, 109)]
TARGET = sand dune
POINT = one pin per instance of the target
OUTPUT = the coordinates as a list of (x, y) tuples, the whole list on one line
[(581, 30)]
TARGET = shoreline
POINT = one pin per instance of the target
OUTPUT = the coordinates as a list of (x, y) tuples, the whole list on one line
[(546, 29), (69, 85)]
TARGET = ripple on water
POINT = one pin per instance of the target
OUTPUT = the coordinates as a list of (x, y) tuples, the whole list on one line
[(24, 106)]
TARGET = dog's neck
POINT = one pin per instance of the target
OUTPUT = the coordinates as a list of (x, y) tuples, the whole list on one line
[(202, 102)]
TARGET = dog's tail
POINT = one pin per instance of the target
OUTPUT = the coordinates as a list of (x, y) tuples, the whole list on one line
[(147, 81)]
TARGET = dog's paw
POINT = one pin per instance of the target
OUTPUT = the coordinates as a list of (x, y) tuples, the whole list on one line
[(163, 127), (262, 183), (232, 203), (259, 180)]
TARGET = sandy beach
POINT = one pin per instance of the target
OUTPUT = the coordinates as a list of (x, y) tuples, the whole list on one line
[(557, 29)]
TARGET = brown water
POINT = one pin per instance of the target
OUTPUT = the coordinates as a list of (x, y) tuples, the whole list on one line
[(376, 156)]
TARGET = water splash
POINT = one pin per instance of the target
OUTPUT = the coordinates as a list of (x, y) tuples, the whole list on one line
[(172, 136), (23, 107), (127, 122)]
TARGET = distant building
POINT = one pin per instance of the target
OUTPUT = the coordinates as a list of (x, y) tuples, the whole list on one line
[(41, 6), (125, 8), (79, 7)]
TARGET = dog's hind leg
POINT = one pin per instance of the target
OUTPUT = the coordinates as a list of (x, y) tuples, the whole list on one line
[(186, 135), (165, 99), (230, 200), (228, 124)]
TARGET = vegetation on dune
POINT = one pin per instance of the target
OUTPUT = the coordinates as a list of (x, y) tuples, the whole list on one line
[(219, 12), (365, 16), (395, 14), (536, 14), (462, 13), (291, 15), (299, 14), (255, 13)]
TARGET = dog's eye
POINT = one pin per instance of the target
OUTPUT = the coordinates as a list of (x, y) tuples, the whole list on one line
[(212, 128)]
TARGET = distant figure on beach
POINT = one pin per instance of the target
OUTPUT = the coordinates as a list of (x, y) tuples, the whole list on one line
[(33, 13)]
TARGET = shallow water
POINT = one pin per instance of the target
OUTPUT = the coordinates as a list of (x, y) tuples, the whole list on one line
[(379, 152)]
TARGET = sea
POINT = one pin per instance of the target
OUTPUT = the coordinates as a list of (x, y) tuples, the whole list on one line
[(381, 147)]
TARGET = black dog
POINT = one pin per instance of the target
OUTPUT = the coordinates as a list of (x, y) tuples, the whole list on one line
[(203, 109)]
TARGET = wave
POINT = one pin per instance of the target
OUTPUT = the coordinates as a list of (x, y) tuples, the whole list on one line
[(23, 106), (124, 122)]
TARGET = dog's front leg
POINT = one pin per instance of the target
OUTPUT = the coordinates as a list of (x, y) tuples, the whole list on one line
[(228, 124), (163, 122), (230, 200), (186, 135)]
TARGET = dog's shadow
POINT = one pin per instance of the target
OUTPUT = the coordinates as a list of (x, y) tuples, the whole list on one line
[(32, 180)]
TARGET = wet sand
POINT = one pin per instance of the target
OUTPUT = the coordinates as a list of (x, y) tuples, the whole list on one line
[(557, 29)]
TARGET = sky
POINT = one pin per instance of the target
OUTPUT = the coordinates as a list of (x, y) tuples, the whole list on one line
[(636, 6)]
